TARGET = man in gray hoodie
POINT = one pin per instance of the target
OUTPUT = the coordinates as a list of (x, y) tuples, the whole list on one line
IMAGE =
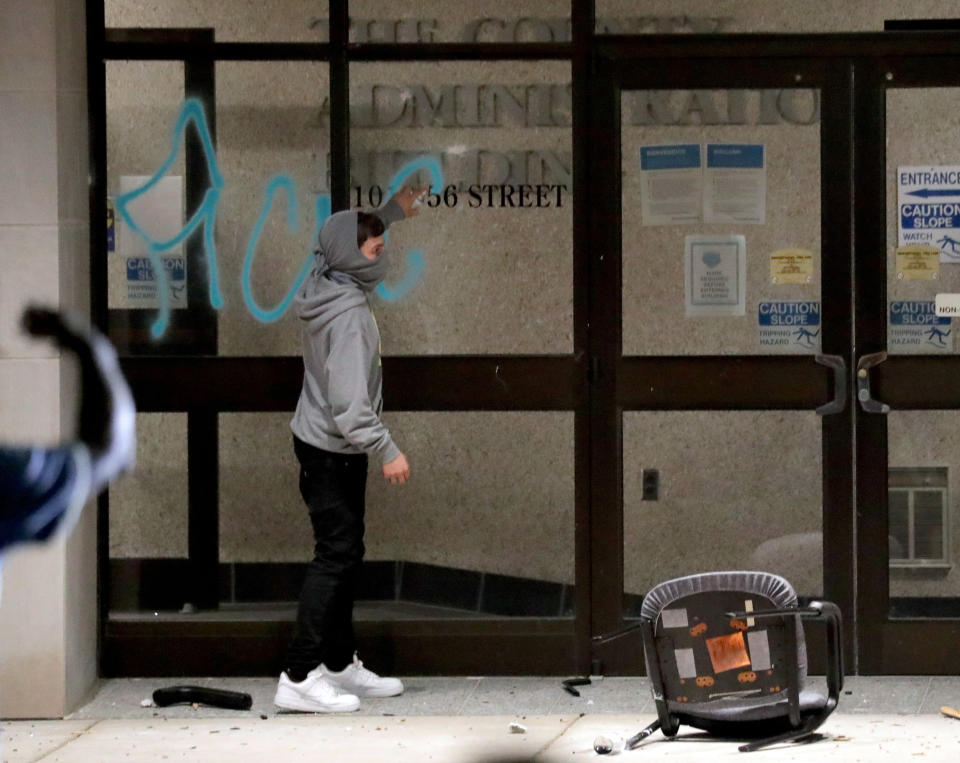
[(336, 427)]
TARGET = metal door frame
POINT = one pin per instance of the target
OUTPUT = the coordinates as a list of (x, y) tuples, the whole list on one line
[(714, 382), (595, 382), (903, 382)]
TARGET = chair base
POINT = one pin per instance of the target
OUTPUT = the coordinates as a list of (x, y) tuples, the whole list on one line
[(756, 729), (805, 733)]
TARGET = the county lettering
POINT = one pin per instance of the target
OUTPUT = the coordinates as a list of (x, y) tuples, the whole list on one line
[(518, 29)]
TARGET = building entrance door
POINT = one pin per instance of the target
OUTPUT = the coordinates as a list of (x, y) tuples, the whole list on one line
[(721, 435), (741, 382), (908, 188)]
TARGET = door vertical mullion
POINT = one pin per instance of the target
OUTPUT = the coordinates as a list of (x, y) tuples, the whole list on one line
[(870, 299), (836, 163), (606, 481), (583, 128)]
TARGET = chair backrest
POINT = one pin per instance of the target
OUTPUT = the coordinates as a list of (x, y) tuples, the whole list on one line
[(703, 655)]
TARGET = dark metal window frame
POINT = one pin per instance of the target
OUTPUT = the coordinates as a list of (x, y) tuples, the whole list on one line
[(887, 644), (717, 382), (596, 382), (912, 480), (422, 383)]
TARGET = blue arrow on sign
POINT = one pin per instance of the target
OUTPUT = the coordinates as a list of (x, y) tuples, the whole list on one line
[(927, 192)]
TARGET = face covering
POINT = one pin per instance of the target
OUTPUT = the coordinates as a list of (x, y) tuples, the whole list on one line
[(339, 258)]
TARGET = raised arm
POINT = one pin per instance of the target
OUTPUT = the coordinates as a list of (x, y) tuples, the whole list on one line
[(107, 417)]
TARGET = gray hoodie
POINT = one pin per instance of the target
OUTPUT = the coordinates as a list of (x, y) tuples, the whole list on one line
[(341, 399)]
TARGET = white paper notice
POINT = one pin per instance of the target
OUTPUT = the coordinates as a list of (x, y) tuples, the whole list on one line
[(158, 213), (671, 180), (715, 275), (735, 184)]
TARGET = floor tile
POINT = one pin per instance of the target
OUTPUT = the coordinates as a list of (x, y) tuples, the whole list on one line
[(27, 741), (884, 694), (553, 738), (944, 690), (514, 695)]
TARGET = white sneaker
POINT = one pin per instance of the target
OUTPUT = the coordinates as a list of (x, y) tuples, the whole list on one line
[(356, 679), (313, 694)]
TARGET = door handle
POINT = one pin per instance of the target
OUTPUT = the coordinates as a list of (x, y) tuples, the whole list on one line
[(839, 366), (867, 401)]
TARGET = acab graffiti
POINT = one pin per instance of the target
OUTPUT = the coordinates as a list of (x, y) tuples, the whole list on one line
[(205, 218)]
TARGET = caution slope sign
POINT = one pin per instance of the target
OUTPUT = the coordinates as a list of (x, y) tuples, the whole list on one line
[(928, 202)]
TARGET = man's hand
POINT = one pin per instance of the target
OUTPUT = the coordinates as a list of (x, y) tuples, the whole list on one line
[(397, 471), (407, 198)]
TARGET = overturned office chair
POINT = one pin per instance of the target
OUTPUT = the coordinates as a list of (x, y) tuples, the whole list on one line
[(725, 653)]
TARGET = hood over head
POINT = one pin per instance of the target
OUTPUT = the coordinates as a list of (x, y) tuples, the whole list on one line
[(341, 276)]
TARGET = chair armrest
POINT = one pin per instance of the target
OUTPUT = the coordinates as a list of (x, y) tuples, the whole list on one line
[(808, 612), (830, 614)]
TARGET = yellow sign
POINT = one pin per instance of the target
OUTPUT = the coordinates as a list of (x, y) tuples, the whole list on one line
[(791, 266), (918, 263)]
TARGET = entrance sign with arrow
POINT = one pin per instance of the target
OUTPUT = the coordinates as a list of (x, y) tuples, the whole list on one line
[(928, 202)]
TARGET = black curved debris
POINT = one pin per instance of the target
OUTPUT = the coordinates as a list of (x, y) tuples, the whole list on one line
[(201, 695)]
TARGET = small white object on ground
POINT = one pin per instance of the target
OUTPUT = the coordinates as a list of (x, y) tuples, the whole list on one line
[(146, 703), (610, 743)]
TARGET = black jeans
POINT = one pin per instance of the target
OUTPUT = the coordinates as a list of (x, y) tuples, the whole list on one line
[(333, 485)]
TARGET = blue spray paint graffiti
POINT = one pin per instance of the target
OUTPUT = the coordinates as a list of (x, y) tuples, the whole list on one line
[(415, 265), (206, 213), (192, 111), (322, 213)]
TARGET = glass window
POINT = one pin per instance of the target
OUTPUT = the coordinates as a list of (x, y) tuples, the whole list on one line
[(923, 513), (483, 528), (721, 222), (899, 508), (144, 99), (914, 147), (918, 515), (487, 265), (234, 224), (425, 21), (732, 16), (272, 150), (736, 491), (148, 506)]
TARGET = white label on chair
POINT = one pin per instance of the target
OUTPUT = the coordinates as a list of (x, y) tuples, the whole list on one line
[(686, 666), (674, 618), (727, 694), (759, 650)]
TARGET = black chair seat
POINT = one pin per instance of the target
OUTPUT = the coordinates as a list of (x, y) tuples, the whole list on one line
[(725, 653), (750, 709)]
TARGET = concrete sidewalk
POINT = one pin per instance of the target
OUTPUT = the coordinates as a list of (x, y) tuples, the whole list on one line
[(450, 739), (468, 720)]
